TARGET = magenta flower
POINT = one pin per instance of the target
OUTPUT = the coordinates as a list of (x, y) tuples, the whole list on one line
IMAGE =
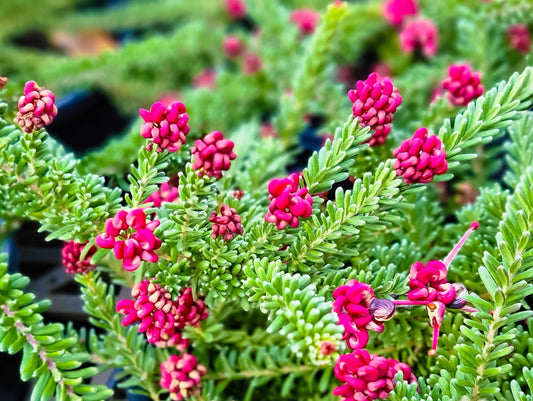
[(3, 82), (212, 155), (181, 376), (238, 194), (374, 103), (367, 376), (420, 34), (189, 312), (359, 311), (166, 126), (420, 158), (166, 193), (233, 46), (519, 38), (395, 11), (236, 8), (156, 314), (306, 20), (227, 224), (205, 79), (71, 254), (252, 64), (289, 202), (463, 85), (36, 107), (131, 237)]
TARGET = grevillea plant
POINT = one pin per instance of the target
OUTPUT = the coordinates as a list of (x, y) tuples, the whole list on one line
[(391, 260)]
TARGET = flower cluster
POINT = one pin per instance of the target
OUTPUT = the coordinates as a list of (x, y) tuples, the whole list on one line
[(227, 224), (166, 126), (181, 376), (238, 194), (429, 283), (3, 82), (374, 103), (205, 79), (233, 46), (212, 155), (421, 33), (462, 85), (368, 376), (252, 64), (420, 158), (131, 237), (36, 107), (359, 311), (289, 202), (306, 20), (161, 318), (519, 38), (166, 193), (236, 8), (396, 11), (71, 254)]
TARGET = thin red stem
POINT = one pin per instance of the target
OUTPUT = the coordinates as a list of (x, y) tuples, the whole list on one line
[(401, 302)]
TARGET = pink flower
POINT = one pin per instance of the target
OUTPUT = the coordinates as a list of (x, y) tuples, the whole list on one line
[(181, 376), (374, 103), (189, 312), (131, 237), (36, 107), (252, 64), (205, 79), (236, 8), (227, 224), (359, 311), (327, 348), (463, 85), (156, 314), (395, 11), (288, 202), (238, 194), (233, 47), (71, 253), (367, 376), (429, 283), (420, 34), (3, 82), (212, 155), (519, 38), (306, 20), (420, 158), (166, 126), (268, 131), (166, 193)]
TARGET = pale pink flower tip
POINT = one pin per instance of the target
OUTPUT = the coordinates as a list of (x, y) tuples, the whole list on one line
[(227, 224), (519, 38), (166, 193), (131, 237), (181, 376), (420, 34), (71, 254), (289, 202), (236, 8), (212, 155), (306, 20), (462, 85), (166, 126), (233, 46), (395, 11), (420, 158), (3, 82), (375, 101), (368, 376), (36, 107)]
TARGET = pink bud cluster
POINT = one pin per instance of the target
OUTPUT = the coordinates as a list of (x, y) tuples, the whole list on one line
[(3, 82), (360, 311), (306, 20), (131, 237), (429, 283), (374, 103), (166, 193), (233, 46), (289, 202), (36, 107), (396, 11), (181, 376), (236, 8), (161, 318), (212, 155), (227, 224), (421, 33), (420, 158), (519, 38), (368, 376), (71, 254), (166, 126), (462, 85)]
